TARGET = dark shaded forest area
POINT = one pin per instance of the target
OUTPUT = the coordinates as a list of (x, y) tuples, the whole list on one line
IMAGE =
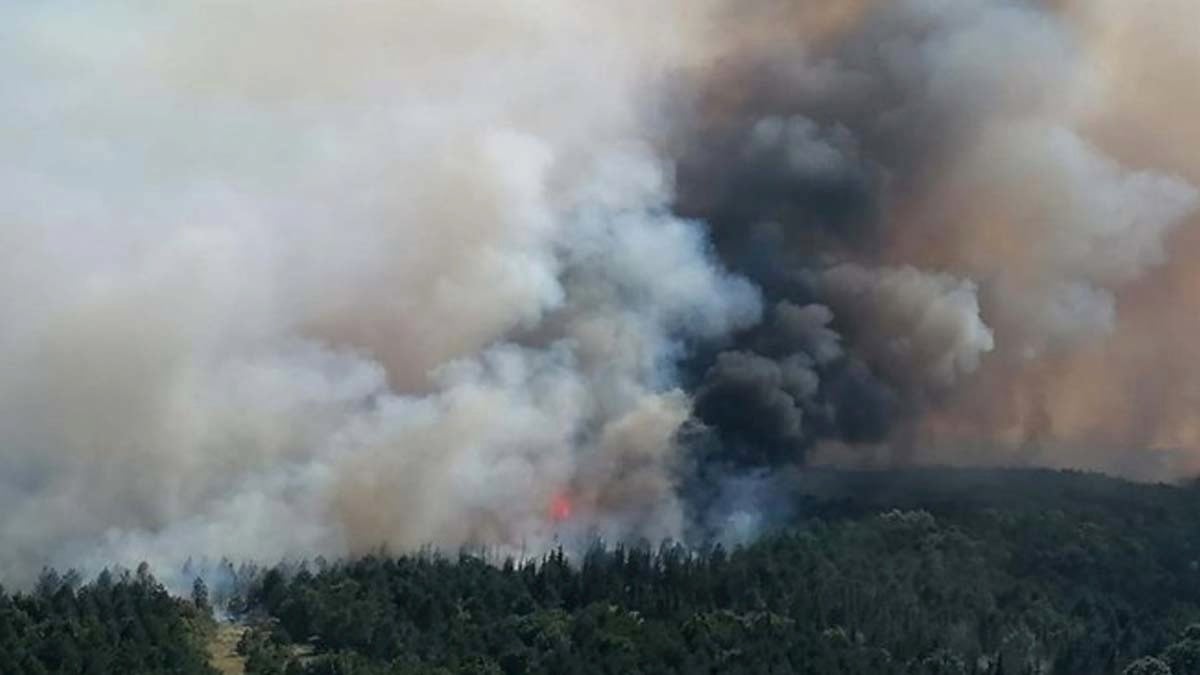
[(118, 623), (923, 571)]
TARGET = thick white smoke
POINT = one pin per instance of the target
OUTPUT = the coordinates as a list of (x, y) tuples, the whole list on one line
[(296, 277), (299, 278)]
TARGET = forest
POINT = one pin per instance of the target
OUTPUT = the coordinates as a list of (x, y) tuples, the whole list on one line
[(921, 571), (117, 623)]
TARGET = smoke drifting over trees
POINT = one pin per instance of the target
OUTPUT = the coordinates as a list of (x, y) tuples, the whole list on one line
[(304, 277)]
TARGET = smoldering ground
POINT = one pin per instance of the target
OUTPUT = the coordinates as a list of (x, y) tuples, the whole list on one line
[(299, 279)]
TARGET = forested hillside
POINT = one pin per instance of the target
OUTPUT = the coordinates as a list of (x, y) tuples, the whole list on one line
[(119, 623), (938, 571), (912, 572)]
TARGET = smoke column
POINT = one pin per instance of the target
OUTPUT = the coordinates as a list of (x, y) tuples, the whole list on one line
[(300, 278), (977, 205)]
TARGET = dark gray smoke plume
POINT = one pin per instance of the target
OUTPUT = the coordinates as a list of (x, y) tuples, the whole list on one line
[(916, 173), (299, 278)]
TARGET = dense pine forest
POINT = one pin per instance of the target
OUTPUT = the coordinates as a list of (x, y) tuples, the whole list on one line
[(934, 571), (118, 623)]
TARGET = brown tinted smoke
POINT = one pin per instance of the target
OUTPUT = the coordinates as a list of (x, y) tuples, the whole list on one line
[(994, 202), (297, 277)]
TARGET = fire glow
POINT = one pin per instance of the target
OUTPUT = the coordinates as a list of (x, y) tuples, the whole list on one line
[(560, 508)]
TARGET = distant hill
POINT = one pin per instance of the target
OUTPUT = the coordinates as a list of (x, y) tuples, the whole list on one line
[(966, 490)]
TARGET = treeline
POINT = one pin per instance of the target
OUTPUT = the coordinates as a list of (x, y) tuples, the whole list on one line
[(922, 572), (982, 572), (118, 623)]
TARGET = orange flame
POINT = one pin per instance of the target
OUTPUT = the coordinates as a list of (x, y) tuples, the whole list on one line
[(560, 507)]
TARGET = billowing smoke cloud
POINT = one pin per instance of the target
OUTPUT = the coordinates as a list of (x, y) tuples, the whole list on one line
[(298, 278), (929, 172), (309, 278)]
